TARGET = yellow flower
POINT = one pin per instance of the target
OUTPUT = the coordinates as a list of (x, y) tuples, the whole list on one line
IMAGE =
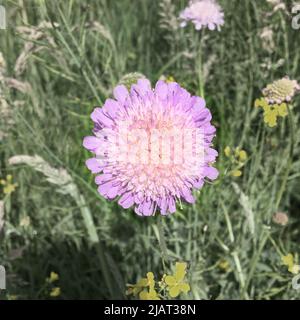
[(224, 265), (175, 283), (55, 292), (8, 186), (288, 261), (295, 269), (282, 110), (262, 102), (236, 173), (276, 106), (243, 155), (237, 158), (149, 295), (227, 151), (53, 277), (272, 112), (141, 285), (270, 116), (135, 289)]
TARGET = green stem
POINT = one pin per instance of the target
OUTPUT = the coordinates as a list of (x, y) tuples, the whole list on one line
[(286, 41), (239, 269), (228, 223), (199, 64), (255, 258), (290, 159), (162, 241)]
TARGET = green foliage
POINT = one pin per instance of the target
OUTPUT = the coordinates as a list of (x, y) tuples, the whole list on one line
[(66, 67)]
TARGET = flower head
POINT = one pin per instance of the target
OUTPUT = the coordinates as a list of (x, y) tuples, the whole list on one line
[(238, 158), (288, 261), (141, 288), (8, 185), (55, 292), (53, 277), (203, 13), (281, 218), (176, 283), (272, 111), (280, 91), (224, 265), (151, 146), (151, 294)]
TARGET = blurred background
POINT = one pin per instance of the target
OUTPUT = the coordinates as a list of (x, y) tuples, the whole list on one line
[(59, 239)]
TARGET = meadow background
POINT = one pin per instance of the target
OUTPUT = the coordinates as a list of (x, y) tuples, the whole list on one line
[(62, 58)]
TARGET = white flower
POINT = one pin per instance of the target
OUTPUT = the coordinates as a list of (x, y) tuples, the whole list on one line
[(203, 13)]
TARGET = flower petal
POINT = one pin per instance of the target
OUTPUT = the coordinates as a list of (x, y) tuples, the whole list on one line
[(91, 143), (174, 291), (99, 117), (211, 173), (161, 89), (127, 200), (121, 93), (111, 107), (172, 205), (94, 165)]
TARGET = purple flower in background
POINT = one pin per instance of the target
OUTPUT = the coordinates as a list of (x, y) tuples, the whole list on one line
[(203, 13), (151, 147)]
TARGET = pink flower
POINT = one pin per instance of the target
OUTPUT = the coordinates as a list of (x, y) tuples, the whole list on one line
[(203, 13), (151, 147)]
